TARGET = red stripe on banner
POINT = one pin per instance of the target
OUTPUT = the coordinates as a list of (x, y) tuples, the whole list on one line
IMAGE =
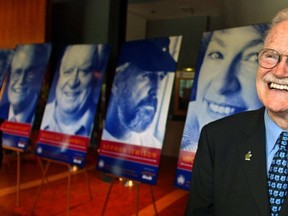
[(186, 160), (16, 128), (140, 154), (58, 139)]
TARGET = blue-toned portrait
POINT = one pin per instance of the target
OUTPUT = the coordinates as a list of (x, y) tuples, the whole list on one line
[(224, 80), (26, 72), (137, 101), (75, 90), (5, 57)]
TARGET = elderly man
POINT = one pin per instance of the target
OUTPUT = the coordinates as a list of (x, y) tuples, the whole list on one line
[(26, 73), (77, 91), (241, 163)]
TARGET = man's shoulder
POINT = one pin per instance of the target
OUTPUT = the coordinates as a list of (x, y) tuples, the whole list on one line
[(47, 116), (5, 105), (241, 119), (4, 110)]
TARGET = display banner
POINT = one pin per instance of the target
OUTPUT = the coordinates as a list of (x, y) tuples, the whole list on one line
[(224, 85), (5, 58), (21, 91), (137, 112), (68, 118)]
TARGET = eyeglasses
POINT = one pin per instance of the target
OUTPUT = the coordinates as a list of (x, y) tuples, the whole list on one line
[(269, 58)]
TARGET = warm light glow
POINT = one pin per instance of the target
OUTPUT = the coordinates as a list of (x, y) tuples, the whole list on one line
[(129, 183), (188, 69), (74, 168)]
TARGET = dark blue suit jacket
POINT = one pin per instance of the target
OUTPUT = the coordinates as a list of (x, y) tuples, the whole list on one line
[(4, 113), (224, 182)]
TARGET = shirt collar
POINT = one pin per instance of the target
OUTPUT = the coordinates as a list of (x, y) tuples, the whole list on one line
[(23, 116), (83, 124), (272, 132)]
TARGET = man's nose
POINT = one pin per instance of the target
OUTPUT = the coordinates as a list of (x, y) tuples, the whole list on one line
[(74, 78), (281, 69), (155, 82), (21, 78)]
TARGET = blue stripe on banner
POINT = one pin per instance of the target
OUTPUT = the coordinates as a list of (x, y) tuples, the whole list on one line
[(137, 171), (183, 178), (14, 141), (77, 158)]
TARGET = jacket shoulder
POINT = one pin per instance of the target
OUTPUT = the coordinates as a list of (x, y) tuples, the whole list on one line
[(243, 119)]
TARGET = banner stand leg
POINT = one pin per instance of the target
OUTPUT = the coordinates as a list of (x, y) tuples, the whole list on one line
[(6, 161), (18, 151), (137, 184), (44, 171), (137, 197), (70, 172), (153, 200), (108, 195)]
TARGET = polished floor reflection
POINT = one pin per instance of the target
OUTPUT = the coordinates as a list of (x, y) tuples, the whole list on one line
[(84, 198)]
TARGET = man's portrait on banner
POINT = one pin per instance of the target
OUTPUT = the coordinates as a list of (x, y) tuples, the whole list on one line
[(225, 80), (138, 92), (27, 69), (75, 90)]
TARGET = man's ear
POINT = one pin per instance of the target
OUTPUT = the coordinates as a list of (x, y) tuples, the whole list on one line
[(118, 86)]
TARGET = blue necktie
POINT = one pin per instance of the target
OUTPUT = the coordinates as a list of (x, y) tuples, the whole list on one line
[(277, 176)]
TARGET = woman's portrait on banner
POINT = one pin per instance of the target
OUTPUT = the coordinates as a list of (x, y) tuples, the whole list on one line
[(225, 78)]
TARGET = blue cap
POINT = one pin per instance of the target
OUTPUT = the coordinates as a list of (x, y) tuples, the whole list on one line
[(150, 55)]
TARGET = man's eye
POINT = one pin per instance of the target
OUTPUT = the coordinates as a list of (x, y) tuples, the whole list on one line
[(271, 56), (84, 72), (216, 55), (16, 73), (67, 72)]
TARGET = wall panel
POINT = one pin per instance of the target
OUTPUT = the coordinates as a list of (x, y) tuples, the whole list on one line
[(22, 21)]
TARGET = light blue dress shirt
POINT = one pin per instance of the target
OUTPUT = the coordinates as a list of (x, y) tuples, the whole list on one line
[(272, 133)]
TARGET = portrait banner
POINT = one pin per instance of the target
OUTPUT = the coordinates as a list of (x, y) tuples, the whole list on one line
[(136, 117), (224, 85), (20, 92), (68, 118), (5, 59)]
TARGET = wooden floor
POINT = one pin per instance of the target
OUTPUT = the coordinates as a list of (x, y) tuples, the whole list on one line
[(88, 191)]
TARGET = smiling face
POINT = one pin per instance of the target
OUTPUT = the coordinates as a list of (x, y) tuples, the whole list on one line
[(275, 98), (24, 77), (138, 98), (75, 80), (226, 82)]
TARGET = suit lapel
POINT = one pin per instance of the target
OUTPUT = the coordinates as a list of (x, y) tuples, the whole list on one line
[(253, 142)]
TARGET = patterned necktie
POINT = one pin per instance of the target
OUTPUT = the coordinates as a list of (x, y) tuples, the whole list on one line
[(277, 176)]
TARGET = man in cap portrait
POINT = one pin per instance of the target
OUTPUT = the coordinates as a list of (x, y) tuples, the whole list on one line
[(135, 99)]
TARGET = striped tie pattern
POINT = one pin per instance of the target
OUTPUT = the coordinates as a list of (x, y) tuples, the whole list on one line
[(277, 176)]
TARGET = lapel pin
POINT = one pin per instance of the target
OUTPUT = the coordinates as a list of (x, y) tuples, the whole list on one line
[(248, 156)]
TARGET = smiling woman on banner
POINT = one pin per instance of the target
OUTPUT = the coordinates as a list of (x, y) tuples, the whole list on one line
[(226, 80)]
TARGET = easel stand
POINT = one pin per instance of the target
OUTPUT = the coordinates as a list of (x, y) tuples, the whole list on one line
[(18, 152), (137, 184), (70, 173)]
